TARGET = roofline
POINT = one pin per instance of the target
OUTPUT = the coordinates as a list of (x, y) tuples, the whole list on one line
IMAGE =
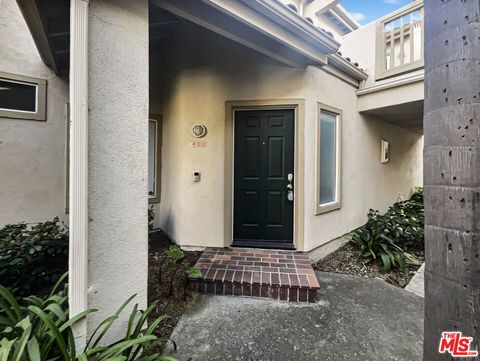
[(282, 15), (344, 16), (347, 67)]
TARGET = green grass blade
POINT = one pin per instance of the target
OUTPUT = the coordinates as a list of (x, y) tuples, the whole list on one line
[(131, 320), (11, 307), (75, 319), (57, 310), (33, 350), (5, 349), (143, 319), (53, 329), (107, 327), (22, 342), (58, 283), (155, 324), (124, 345), (105, 323)]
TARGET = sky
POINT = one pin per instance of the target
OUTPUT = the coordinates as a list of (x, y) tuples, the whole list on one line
[(366, 11)]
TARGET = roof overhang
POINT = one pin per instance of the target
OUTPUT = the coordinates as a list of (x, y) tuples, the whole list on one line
[(341, 17), (345, 70), (48, 22), (267, 26)]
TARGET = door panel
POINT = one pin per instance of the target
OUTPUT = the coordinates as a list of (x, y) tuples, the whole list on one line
[(264, 156)]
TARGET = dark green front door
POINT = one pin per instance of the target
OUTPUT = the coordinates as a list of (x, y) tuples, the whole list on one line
[(264, 157)]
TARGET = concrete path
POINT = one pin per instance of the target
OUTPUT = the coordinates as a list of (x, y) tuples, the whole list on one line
[(417, 283), (355, 319)]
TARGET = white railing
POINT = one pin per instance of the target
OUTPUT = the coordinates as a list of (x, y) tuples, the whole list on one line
[(400, 41)]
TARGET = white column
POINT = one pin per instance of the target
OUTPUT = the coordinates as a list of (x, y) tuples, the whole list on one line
[(78, 222), (108, 161), (118, 157)]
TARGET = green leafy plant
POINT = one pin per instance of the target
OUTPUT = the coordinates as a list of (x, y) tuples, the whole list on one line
[(174, 271), (174, 256), (32, 258), (38, 329), (388, 238)]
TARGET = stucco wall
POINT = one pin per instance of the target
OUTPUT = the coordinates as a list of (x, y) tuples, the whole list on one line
[(118, 152), (32, 153), (204, 71)]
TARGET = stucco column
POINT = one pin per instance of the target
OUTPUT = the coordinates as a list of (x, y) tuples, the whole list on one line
[(117, 76)]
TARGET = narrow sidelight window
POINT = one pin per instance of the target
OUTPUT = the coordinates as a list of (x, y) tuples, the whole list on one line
[(22, 97), (154, 156), (328, 159)]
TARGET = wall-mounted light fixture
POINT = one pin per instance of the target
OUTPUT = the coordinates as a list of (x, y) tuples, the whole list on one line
[(385, 153)]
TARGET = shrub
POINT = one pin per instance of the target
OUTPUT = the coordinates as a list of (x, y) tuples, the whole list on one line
[(32, 258), (388, 237), (40, 330)]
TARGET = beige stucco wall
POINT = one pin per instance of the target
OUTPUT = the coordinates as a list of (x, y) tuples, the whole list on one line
[(32, 153), (204, 71), (118, 153)]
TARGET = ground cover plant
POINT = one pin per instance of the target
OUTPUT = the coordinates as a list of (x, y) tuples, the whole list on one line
[(397, 234), (388, 238), (168, 270), (39, 329)]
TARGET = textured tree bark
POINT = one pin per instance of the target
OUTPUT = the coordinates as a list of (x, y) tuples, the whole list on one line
[(452, 171)]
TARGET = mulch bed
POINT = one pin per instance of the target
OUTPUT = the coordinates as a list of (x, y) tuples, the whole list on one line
[(347, 260), (168, 286)]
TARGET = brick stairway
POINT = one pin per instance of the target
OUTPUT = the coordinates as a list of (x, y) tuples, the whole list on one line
[(276, 274)]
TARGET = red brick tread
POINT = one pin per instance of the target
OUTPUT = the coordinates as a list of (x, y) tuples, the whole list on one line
[(276, 274)]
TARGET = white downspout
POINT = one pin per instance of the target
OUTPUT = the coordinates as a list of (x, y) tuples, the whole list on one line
[(78, 218)]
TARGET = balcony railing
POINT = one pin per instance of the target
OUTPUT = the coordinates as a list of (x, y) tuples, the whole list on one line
[(400, 42)]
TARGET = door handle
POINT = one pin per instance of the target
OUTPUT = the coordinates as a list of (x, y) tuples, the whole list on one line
[(290, 187), (290, 180)]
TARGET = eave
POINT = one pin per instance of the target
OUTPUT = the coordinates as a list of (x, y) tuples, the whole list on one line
[(38, 30), (347, 67), (264, 25)]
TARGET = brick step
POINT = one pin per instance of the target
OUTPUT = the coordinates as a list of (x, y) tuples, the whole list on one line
[(253, 272)]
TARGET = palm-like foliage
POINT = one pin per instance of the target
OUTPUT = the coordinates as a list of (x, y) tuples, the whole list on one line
[(387, 238), (39, 330)]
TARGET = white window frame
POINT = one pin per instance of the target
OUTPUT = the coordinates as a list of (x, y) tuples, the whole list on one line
[(155, 198), (41, 98), (337, 204)]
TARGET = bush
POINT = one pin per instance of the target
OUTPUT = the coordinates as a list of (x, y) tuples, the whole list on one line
[(388, 238), (38, 329), (33, 258)]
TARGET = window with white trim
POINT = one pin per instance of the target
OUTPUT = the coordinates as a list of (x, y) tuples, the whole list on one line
[(154, 158), (328, 159), (22, 97)]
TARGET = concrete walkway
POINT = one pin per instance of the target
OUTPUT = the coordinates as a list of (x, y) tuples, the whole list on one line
[(355, 319), (417, 283)]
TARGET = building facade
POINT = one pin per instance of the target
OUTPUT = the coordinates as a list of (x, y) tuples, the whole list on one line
[(244, 123)]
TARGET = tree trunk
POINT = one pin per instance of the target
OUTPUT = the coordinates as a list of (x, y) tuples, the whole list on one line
[(452, 172)]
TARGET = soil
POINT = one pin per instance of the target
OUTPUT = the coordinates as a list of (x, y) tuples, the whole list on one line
[(167, 286), (347, 260)]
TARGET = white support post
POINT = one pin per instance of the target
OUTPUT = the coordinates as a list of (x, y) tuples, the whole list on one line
[(78, 218)]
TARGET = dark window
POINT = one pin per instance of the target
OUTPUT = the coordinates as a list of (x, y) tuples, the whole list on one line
[(18, 96)]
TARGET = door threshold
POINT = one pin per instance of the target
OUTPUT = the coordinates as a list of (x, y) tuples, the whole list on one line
[(262, 244)]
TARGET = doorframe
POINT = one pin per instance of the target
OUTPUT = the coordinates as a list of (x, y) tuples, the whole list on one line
[(298, 106)]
